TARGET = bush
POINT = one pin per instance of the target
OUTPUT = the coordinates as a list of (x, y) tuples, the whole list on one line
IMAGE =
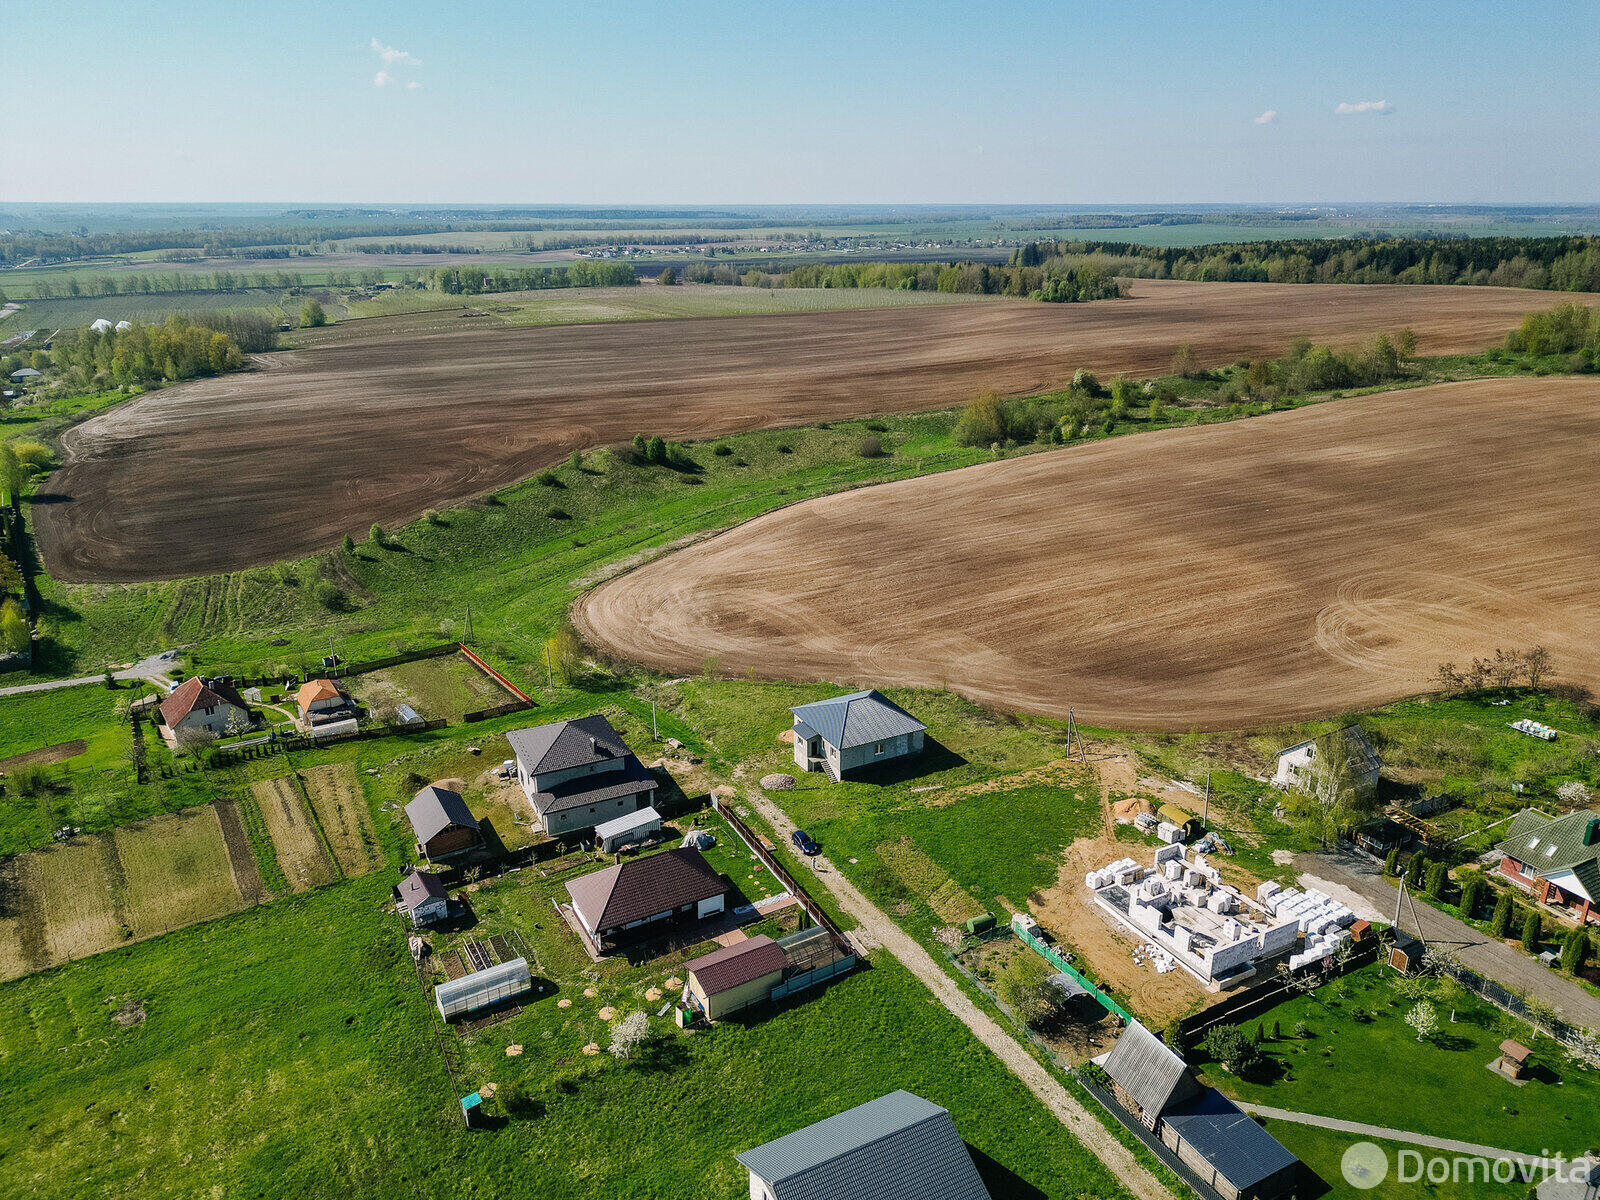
[(988, 418), (375, 534), (1438, 875), (431, 516), (1391, 864), (1173, 1033), (560, 514), (349, 544), (1301, 1029), (1575, 951), (548, 479), (1471, 895), (1230, 1046), (722, 449), (870, 448), (331, 597), (1500, 922), (877, 427), (1532, 931), (575, 460)]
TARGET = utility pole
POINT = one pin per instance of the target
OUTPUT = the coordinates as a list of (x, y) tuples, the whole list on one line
[(1205, 818), (655, 733), (466, 633), (549, 672)]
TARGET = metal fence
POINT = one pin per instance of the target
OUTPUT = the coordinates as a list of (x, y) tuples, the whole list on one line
[(1051, 956), (1583, 1042)]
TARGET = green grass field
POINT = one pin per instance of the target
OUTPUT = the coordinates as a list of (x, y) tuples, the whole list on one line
[(1323, 1150), (1376, 1071)]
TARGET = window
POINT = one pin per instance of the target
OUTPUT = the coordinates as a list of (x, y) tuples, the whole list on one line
[(1533, 843), (878, 748), (1549, 851)]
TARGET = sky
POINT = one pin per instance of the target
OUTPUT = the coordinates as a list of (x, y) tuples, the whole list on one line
[(693, 102)]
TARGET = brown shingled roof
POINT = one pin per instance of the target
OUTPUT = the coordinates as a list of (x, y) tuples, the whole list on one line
[(643, 887), (731, 966), (197, 693)]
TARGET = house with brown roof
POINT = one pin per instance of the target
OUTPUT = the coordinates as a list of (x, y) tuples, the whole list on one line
[(642, 896), (320, 697), (204, 705), (734, 977), (422, 897)]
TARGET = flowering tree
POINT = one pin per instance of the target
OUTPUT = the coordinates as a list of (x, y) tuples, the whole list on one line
[(630, 1033), (1423, 1019)]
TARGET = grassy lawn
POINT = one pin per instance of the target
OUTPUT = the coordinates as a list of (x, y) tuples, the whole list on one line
[(1322, 1150), (288, 1052), (79, 790), (1375, 1071)]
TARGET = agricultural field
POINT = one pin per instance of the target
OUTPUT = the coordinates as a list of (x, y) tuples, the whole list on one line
[(1200, 578), (341, 810), (176, 871), (395, 425), (302, 854)]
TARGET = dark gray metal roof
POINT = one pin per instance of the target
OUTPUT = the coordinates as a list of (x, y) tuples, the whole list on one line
[(435, 809), (1146, 1068), (563, 744), (1242, 1152), (897, 1147), (417, 887), (858, 719), (597, 789)]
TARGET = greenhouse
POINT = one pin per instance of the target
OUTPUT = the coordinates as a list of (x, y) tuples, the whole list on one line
[(483, 989)]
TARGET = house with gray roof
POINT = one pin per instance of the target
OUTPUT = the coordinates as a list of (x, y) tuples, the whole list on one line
[(578, 774), (442, 823), (847, 733), (1557, 859), (1226, 1149), (897, 1147)]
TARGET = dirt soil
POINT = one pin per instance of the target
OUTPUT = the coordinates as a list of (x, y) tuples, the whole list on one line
[(228, 473), (1285, 567)]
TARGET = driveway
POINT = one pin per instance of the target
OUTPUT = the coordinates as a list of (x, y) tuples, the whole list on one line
[(877, 929), (151, 669), (1484, 954)]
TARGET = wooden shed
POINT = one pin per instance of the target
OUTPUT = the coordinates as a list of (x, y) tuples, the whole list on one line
[(1406, 954), (736, 977), (1513, 1060)]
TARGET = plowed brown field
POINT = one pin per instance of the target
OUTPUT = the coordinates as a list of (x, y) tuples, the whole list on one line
[(1220, 576), (232, 472)]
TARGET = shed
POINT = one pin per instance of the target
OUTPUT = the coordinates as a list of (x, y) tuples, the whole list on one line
[(1513, 1060), (1406, 954), (1147, 1075), (735, 977), (483, 989), (1214, 1138), (422, 897), (471, 1107), (442, 822), (627, 829)]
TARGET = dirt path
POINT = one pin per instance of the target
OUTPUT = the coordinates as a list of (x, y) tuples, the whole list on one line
[(391, 424), (1472, 1149), (1198, 578), (880, 930)]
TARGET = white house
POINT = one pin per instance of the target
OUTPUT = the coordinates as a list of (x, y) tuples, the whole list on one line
[(1298, 764), (578, 774), (423, 898), (849, 732), (202, 704)]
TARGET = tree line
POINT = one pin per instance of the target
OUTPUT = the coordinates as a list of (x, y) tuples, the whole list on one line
[(1055, 283), (1569, 264), (1504, 669), (471, 281), (1565, 329), (85, 359)]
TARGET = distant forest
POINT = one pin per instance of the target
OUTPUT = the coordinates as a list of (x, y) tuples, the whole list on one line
[(1563, 264)]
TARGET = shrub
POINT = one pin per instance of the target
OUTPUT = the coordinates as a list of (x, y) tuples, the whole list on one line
[(784, 449), (1500, 922), (1532, 931), (988, 418), (331, 597), (722, 449), (1230, 1046), (1416, 869), (560, 514), (1575, 951), (375, 534), (1391, 864), (871, 448), (1471, 894), (1438, 874), (877, 427), (1173, 1033), (431, 516), (548, 479), (575, 460), (349, 544), (656, 449), (1301, 1029)]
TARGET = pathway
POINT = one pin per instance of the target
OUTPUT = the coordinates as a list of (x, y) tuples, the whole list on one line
[(146, 670), (1471, 1149), (879, 930), (1484, 954)]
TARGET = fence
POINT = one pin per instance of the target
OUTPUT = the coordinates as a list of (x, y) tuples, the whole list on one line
[(1583, 1042), (224, 757), (1048, 953), (495, 675), (805, 979), (395, 660), (770, 861), (1253, 1001), (500, 710)]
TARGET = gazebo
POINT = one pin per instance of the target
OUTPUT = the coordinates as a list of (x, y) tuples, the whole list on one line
[(1513, 1060)]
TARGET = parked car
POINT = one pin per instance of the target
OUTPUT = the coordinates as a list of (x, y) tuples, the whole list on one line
[(804, 843)]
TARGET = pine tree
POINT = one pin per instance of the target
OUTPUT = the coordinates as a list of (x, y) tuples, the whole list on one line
[(1277, 1030), (1575, 951), (349, 544), (1437, 875), (1391, 865), (1532, 930)]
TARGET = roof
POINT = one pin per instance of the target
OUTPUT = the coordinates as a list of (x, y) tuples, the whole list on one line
[(596, 789), (313, 690), (1146, 1068), (1242, 1152), (858, 719), (1408, 944), (1514, 1049), (628, 822), (1551, 845), (197, 693), (897, 1147), (643, 887), (733, 966), (26, 373), (564, 744), (434, 809), (418, 887), (513, 972)]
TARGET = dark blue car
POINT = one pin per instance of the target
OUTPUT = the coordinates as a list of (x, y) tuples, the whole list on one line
[(803, 842)]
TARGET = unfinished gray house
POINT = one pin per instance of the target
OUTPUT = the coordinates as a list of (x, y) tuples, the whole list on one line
[(897, 1147), (578, 774), (1348, 753), (850, 732), (1209, 1133)]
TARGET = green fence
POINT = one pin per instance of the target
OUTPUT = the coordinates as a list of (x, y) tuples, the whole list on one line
[(1048, 953)]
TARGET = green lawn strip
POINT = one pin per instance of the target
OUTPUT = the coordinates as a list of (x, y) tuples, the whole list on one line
[(291, 1045), (1322, 1151), (272, 877), (1377, 1072)]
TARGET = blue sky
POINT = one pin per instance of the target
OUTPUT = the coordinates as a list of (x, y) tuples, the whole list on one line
[(611, 101)]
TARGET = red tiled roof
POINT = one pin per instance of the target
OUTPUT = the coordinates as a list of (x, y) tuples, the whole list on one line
[(731, 966), (197, 693), (643, 887)]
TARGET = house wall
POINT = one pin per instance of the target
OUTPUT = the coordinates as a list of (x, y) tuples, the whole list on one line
[(450, 840), (326, 704), (545, 780), (429, 911), (214, 721), (759, 1189), (577, 820), (853, 758)]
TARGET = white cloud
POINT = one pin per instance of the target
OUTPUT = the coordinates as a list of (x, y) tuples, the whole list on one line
[(393, 57), (382, 79), (1267, 118), (412, 86), (1361, 107)]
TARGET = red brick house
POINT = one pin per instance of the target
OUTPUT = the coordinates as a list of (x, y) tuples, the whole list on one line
[(1557, 859)]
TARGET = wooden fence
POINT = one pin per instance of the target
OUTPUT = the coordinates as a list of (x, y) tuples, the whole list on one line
[(495, 675)]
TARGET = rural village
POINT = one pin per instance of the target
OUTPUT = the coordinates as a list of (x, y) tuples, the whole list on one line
[(806, 701)]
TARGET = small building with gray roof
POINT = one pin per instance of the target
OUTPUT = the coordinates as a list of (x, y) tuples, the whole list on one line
[(897, 1147), (578, 774), (442, 823), (847, 733)]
